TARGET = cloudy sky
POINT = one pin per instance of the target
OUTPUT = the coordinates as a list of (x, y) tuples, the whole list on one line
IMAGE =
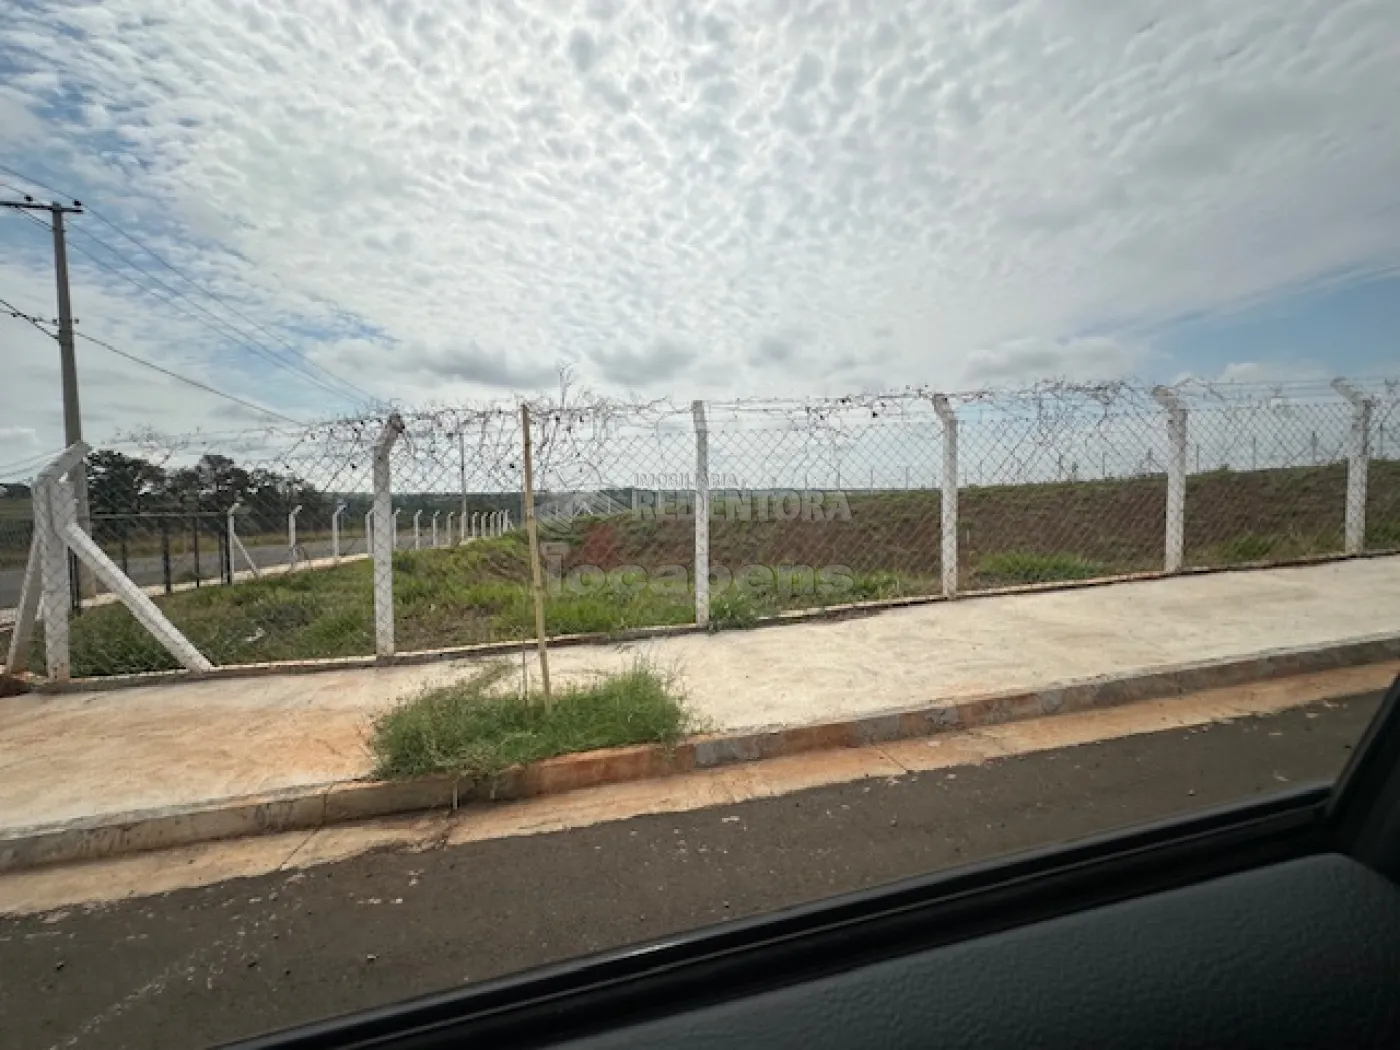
[(426, 202)]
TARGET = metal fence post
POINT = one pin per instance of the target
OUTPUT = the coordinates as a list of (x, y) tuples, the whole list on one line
[(436, 514), (235, 544), (1358, 464), (702, 514), (194, 535), (292, 535), (948, 495), (449, 527), (335, 531), (382, 537), (165, 553), (417, 531), (225, 553), (1176, 477)]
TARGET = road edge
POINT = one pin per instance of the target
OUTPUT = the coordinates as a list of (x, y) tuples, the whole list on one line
[(316, 806)]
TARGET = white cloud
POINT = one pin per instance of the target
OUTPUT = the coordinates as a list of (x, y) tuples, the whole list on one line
[(444, 201), (17, 124), (17, 440), (1272, 371), (1077, 359), (1255, 372)]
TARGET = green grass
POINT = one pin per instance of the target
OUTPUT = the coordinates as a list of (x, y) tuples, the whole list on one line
[(1253, 548), (1384, 536), (1014, 567), (442, 598), (479, 728), (1247, 548), (738, 610)]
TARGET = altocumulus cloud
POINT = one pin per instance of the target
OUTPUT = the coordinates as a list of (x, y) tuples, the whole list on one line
[(658, 192)]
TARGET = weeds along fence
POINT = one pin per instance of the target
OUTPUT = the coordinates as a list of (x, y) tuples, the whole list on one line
[(376, 537)]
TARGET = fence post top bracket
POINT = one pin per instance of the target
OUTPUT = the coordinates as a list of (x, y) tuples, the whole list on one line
[(393, 427), (943, 407), (63, 462), (1356, 397), (1166, 397)]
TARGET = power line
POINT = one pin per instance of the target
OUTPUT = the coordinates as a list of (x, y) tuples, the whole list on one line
[(28, 463), (302, 370), (188, 381), (39, 324), (35, 220), (272, 359), (210, 321), (218, 299), (33, 319), (297, 367), (30, 178)]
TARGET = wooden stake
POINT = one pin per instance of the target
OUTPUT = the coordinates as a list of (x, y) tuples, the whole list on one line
[(532, 532)]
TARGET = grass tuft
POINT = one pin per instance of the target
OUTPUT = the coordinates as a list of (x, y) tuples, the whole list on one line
[(1250, 547), (474, 729), (737, 610), (1013, 567)]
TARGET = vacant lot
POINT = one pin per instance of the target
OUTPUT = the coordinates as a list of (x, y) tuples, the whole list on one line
[(888, 546)]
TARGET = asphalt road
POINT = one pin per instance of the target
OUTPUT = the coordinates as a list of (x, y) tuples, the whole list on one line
[(204, 966)]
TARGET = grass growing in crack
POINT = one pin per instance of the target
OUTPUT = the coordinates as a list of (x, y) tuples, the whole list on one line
[(476, 729)]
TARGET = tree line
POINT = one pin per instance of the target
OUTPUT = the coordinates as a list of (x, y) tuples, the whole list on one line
[(120, 485)]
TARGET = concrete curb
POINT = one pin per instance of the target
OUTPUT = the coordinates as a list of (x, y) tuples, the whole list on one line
[(316, 806)]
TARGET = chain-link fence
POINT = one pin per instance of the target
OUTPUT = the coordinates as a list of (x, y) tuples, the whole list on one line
[(374, 536), (1060, 484), (822, 504), (1268, 480)]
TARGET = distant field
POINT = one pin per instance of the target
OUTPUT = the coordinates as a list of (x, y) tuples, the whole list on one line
[(15, 507), (890, 545)]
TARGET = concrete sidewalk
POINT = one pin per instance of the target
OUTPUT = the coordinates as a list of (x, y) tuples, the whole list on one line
[(78, 755)]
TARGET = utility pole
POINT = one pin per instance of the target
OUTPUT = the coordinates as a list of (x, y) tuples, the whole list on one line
[(68, 365)]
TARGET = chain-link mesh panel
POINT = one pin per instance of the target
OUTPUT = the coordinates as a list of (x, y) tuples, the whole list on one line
[(16, 533), (249, 544), (614, 503), (1267, 479), (1383, 479), (822, 504), (1060, 484), (617, 546), (460, 565)]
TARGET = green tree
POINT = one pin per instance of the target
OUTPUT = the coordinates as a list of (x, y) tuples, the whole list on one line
[(122, 484)]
